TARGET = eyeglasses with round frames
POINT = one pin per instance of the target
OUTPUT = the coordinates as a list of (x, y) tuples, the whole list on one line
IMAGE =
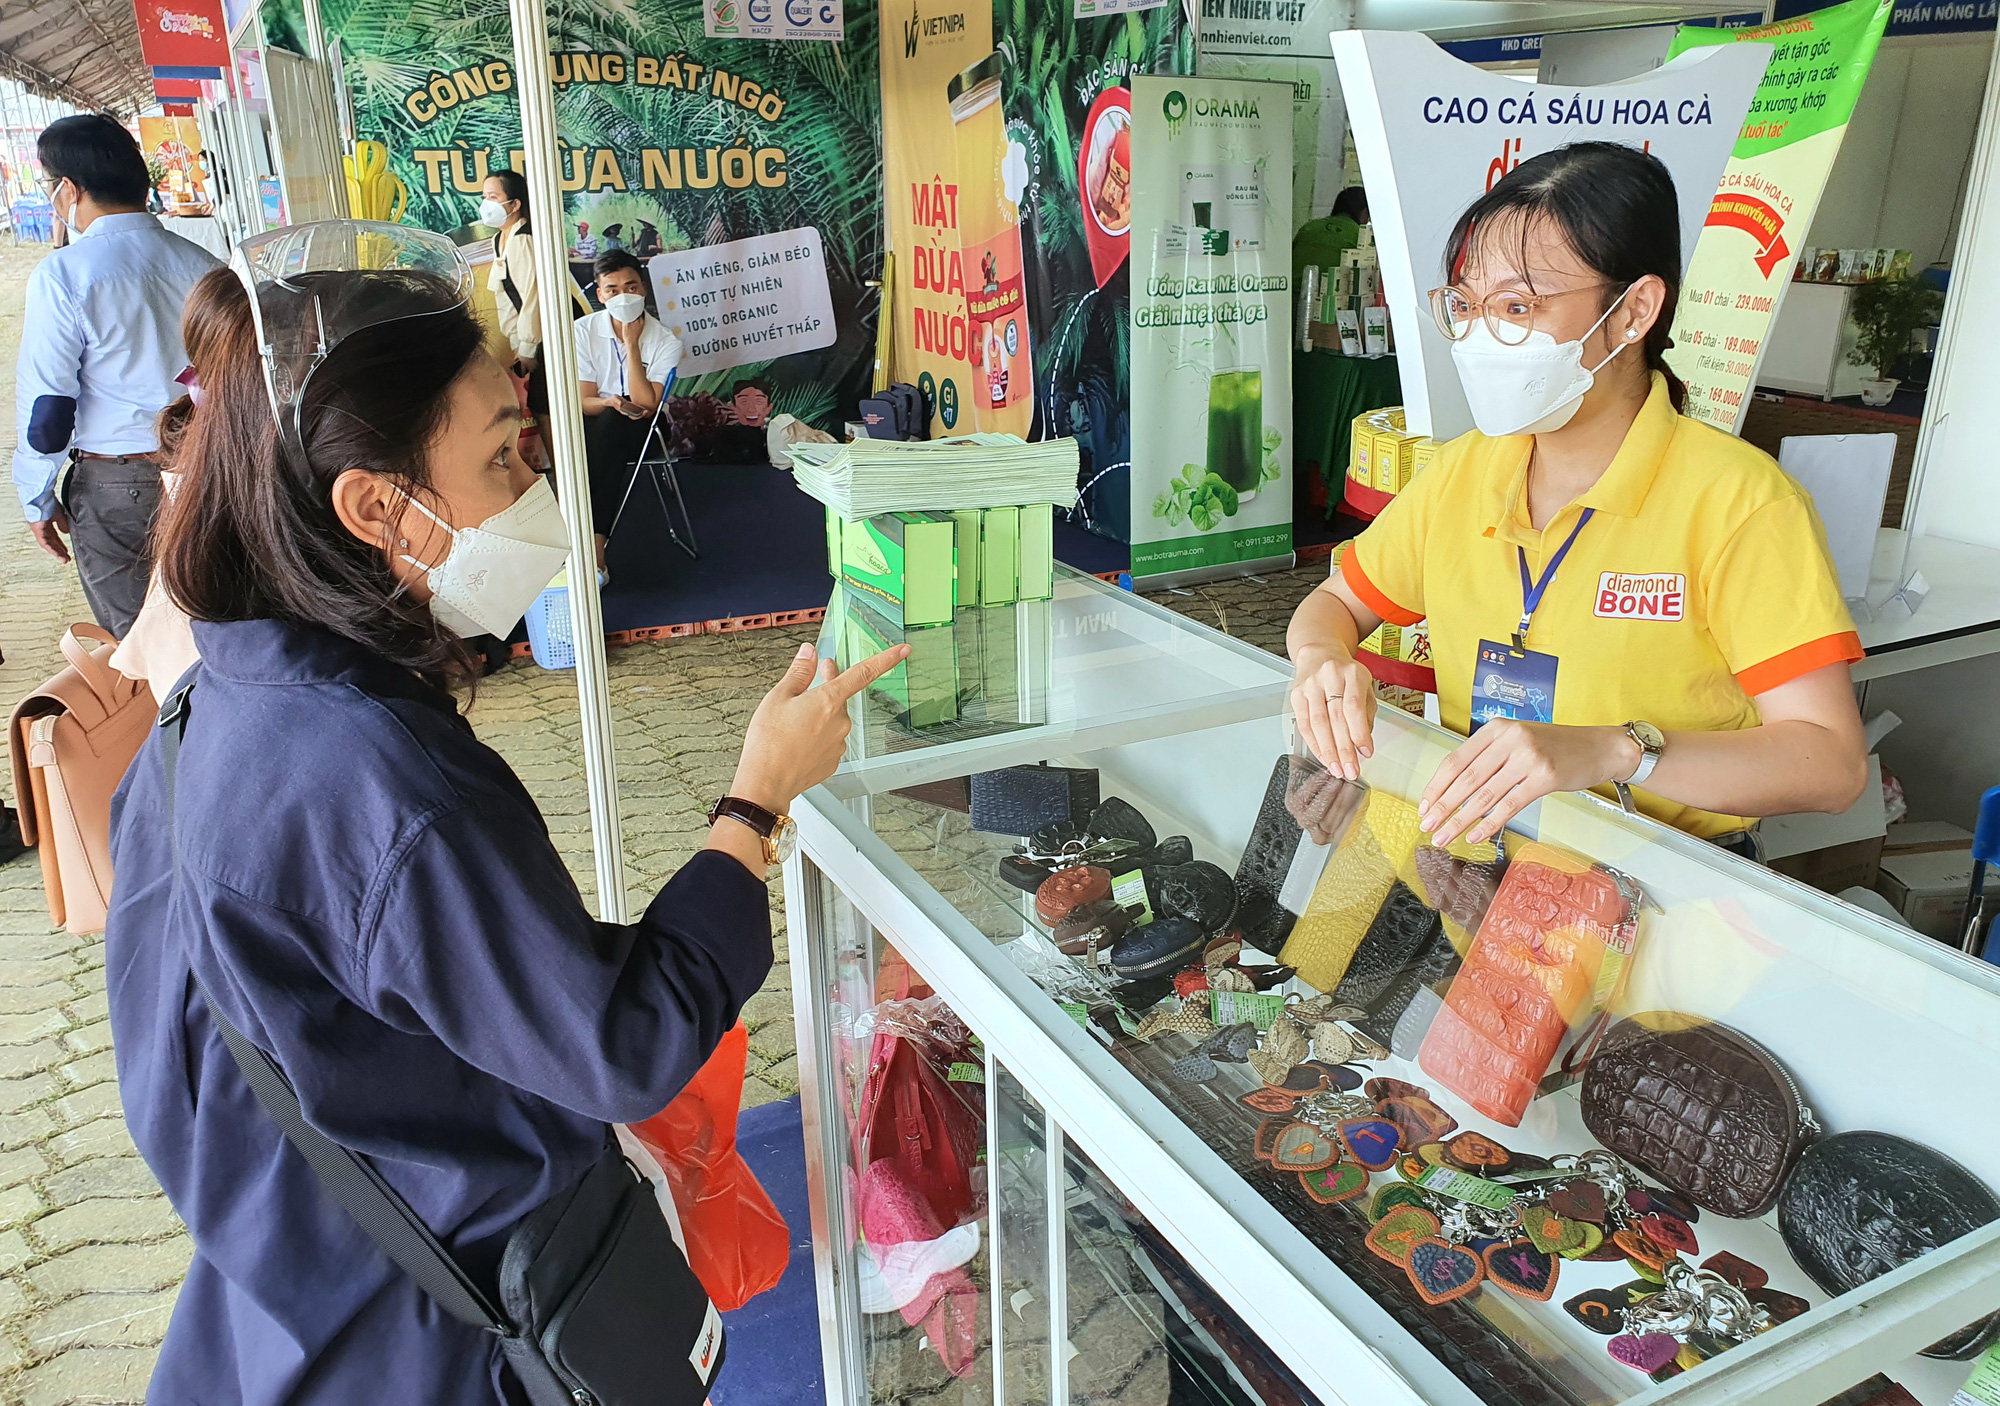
[(1509, 313)]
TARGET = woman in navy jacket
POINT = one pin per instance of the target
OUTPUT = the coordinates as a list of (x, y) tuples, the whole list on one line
[(368, 891)]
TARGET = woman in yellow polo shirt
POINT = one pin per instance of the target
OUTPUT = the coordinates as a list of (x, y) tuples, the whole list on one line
[(1617, 594)]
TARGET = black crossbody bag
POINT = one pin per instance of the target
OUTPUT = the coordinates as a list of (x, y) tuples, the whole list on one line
[(598, 1306)]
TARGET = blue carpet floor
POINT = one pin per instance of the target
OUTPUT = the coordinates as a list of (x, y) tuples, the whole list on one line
[(774, 1356)]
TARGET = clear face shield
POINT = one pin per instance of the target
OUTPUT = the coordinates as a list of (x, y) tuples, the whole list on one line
[(305, 297)]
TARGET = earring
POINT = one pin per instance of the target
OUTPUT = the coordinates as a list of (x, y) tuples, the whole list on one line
[(402, 541), (1630, 333)]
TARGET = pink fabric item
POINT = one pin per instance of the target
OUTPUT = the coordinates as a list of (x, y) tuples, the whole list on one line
[(893, 1213)]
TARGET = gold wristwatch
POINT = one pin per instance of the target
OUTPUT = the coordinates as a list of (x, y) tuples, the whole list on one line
[(779, 833)]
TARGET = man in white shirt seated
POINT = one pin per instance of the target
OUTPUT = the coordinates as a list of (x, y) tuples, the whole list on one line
[(100, 351), (623, 358)]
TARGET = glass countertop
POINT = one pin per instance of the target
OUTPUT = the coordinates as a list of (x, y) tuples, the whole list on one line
[(1877, 1026), (1017, 681)]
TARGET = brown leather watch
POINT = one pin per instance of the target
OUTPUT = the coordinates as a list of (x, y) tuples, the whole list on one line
[(780, 833)]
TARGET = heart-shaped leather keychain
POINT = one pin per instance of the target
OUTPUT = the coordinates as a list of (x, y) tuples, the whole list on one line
[(1372, 1142), (1303, 1148), (1343, 1181), (1442, 1271), (1398, 1231), (1523, 1268), (1419, 1120)]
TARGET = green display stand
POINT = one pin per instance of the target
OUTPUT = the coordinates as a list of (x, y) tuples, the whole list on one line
[(1328, 391)]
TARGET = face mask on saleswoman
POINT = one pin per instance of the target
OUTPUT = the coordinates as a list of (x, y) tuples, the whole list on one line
[(496, 570), (1533, 388)]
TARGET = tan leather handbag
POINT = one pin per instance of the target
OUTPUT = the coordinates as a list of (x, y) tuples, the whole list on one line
[(73, 739)]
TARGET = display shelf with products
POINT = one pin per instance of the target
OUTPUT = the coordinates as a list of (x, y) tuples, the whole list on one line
[(1424, 1124)]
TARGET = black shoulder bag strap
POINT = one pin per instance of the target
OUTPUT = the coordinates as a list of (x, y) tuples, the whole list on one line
[(346, 1175), (506, 278)]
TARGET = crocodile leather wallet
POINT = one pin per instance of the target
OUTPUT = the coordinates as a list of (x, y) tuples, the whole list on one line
[(1701, 1106), (1860, 1204)]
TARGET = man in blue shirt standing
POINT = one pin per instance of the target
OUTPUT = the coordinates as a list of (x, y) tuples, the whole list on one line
[(100, 354)]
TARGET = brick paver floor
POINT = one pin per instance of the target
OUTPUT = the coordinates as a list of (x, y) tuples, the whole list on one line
[(91, 1254)]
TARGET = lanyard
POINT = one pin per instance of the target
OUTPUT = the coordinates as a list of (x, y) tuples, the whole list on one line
[(1531, 594)]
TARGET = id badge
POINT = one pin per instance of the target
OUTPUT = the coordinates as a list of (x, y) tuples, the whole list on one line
[(1513, 683)]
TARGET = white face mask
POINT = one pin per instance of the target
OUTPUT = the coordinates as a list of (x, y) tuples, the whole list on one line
[(1533, 388), (66, 221), (492, 214), (495, 570), (626, 307)]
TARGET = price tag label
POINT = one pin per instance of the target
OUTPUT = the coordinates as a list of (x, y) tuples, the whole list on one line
[(1130, 888), (964, 1073), (1234, 1007), (1982, 1388), (1462, 1186)]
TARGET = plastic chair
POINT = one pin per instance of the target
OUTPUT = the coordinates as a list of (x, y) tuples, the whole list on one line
[(1981, 906), (656, 470)]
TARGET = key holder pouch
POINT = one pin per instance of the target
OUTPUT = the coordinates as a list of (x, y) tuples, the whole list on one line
[(1699, 1105), (1860, 1204)]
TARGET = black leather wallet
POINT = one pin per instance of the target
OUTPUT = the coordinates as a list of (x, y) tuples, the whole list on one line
[(1019, 800), (1405, 948), (1860, 1204)]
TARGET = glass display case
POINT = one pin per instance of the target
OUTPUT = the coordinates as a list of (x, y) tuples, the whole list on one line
[(1219, 1084)]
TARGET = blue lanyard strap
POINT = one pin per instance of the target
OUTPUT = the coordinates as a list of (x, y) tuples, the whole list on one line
[(1533, 591)]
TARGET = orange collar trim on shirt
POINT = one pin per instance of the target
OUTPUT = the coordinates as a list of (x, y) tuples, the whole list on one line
[(1621, 491)]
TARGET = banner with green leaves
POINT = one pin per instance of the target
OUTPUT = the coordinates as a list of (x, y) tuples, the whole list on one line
[(671, 141)]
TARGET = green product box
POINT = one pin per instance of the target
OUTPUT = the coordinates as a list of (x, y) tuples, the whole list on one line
[(904, 565), (833, 531), (999, 682), (1037, 569), (968, 520), (924, 687), (999, 555)]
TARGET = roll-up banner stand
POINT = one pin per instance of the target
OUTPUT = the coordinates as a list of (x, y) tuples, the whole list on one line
[(1211, 327), (1288, 43), (1433, 133), (1770, 190)]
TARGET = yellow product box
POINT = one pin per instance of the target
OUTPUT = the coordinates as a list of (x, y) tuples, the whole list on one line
[(1360, 451), (1395, 460), (1408, 699), (1385, 641), (1427, 449), (1417, 643)]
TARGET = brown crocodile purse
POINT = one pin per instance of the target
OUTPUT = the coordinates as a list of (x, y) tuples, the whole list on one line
[(1701, 1106)]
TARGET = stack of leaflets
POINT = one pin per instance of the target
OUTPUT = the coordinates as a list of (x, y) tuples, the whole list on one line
[(874, 476)]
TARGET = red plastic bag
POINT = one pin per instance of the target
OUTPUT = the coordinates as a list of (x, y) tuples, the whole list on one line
[(737, 1243)]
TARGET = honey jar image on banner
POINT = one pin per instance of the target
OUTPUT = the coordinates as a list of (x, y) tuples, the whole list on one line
[(989, 229)]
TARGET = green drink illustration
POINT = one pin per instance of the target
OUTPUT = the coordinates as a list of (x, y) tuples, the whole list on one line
[(1236, 430)]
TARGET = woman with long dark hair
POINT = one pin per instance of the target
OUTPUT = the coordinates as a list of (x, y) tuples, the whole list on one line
[(360, 886), (1618, 596)]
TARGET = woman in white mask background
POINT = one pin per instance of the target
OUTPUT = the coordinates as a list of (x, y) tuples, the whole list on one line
[(1618, 597), (363, 887), (503, 207)]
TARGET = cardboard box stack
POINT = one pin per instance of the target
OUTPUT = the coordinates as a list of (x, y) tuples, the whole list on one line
[(1382, 452), (1350, 314), (1925, 873)]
